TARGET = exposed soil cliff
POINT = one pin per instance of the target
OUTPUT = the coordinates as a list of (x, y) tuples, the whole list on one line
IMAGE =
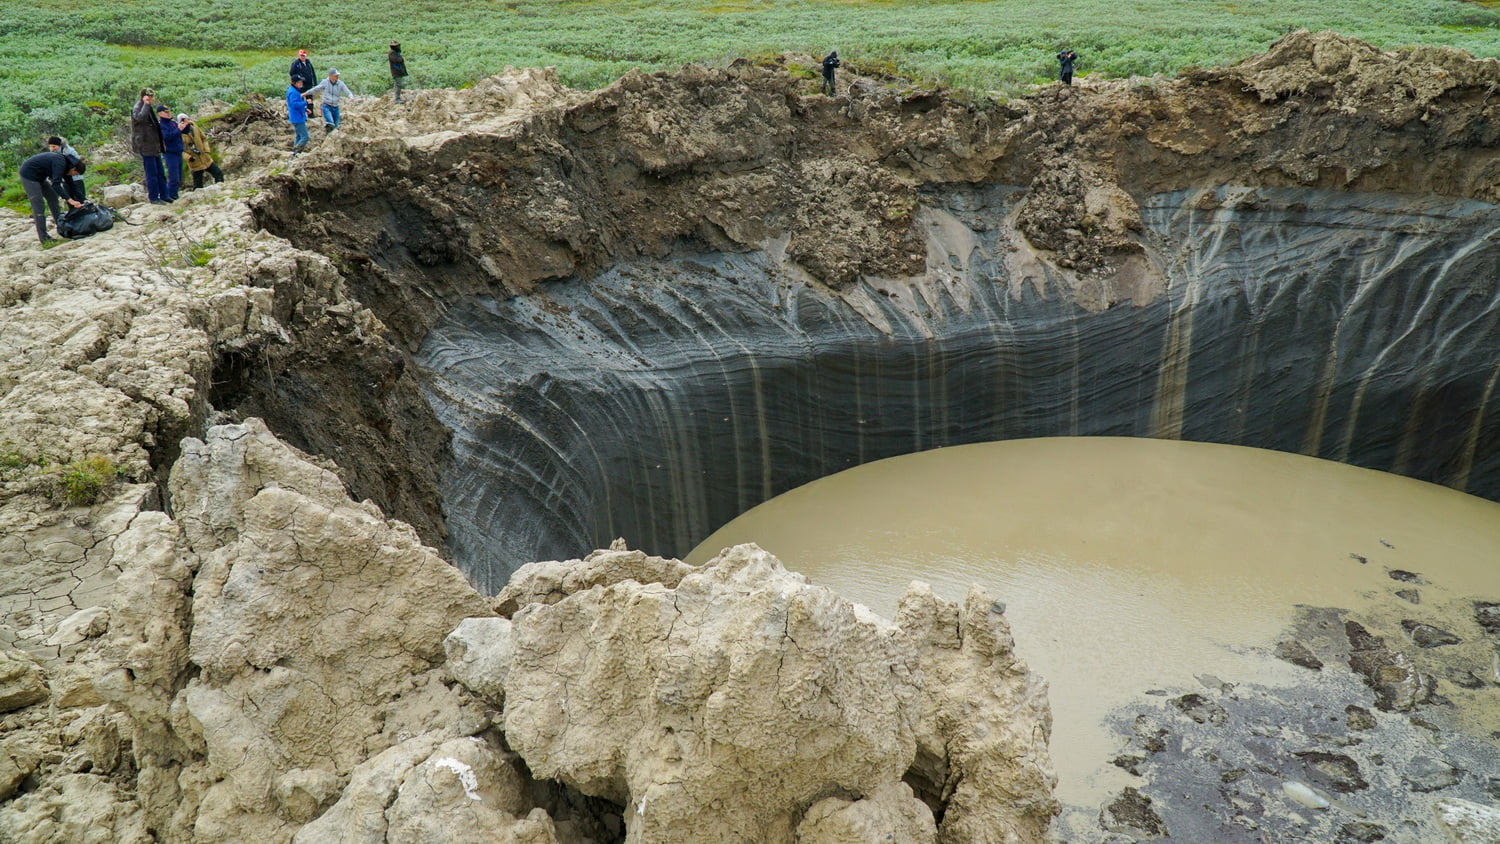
[(207, 639)]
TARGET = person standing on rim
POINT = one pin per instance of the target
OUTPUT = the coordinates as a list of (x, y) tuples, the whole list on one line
[(171, 151), (44, 177), (1066, 59), (334, 92), (145, 140), (830, 64), (302, 68), (398, 68), (200, 155), (296, 114)]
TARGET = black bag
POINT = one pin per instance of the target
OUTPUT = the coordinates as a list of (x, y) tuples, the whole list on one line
[(85, 220)]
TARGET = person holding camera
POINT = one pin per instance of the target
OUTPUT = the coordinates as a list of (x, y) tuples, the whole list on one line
[(200, 156), (1066, 59), (830, 63), (146, 141)]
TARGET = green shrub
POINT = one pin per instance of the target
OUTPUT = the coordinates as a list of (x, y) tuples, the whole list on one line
[(82, 482), (12, 459)]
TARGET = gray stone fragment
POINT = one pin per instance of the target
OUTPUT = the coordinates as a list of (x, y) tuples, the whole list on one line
[(479, 654), (1297, 653), (1131, 813), (1426, 774), (1468, 823), (1427, 636), (21, 681)]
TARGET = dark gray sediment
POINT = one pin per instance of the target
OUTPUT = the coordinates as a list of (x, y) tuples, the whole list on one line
[(661, 398)]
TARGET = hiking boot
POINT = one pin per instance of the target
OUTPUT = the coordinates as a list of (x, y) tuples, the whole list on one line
[(327, 127)]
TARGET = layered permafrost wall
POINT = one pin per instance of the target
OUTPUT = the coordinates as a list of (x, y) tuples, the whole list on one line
[(662, 398)]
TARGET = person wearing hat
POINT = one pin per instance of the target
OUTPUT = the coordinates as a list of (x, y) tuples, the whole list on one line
[(296, 114), (44, 177), (145, 140), (334, 92), (171, 151), (200, 156), (398, 67), (75, 185), (302, 68)]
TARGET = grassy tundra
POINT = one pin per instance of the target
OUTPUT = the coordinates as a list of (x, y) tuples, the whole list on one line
[(73, 67)]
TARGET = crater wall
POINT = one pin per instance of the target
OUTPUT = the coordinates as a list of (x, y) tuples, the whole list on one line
[(643, 309), (664, 397)]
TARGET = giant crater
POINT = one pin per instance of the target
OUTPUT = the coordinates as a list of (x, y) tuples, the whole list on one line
[(641, 312)]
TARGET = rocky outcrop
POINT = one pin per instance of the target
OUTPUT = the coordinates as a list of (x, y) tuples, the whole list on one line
[(990, 774), (270, 664), (259, 646), (739, 702)]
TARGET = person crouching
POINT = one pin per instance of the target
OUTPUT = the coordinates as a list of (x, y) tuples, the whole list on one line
[(44, 177)]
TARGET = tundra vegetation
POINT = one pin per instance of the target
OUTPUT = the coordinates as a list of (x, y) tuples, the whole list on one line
[(74, 67)]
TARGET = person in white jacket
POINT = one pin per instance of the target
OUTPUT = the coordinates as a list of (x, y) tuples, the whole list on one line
[(333, 92)]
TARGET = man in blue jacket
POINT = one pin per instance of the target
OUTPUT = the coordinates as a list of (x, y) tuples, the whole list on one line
[(171, 151), (296, 114)]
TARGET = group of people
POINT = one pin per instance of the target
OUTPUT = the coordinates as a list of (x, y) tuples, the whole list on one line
[(165, 144), (332, 91)]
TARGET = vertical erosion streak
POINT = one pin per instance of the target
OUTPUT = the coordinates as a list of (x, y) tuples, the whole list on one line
[(1169, 407), (1471, 439)]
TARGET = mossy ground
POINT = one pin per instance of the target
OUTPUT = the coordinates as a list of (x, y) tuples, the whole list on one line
[(75, 68)]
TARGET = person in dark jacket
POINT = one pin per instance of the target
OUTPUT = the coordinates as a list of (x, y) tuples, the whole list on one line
[(830, 63), (171, 151), (302, 68), (45, 178), (76, 187), (398, 67), (145, 139), (1066, 59)]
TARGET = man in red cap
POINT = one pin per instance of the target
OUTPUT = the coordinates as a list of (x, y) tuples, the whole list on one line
[(302, 68)]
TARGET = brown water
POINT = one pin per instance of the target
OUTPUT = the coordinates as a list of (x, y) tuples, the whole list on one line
[(1127, 564)]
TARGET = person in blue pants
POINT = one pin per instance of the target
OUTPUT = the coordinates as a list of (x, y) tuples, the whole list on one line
[(296, 114), (145, 140), (334, 92), (171, 151)]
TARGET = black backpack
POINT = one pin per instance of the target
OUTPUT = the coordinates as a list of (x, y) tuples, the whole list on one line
[(85, 220)]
